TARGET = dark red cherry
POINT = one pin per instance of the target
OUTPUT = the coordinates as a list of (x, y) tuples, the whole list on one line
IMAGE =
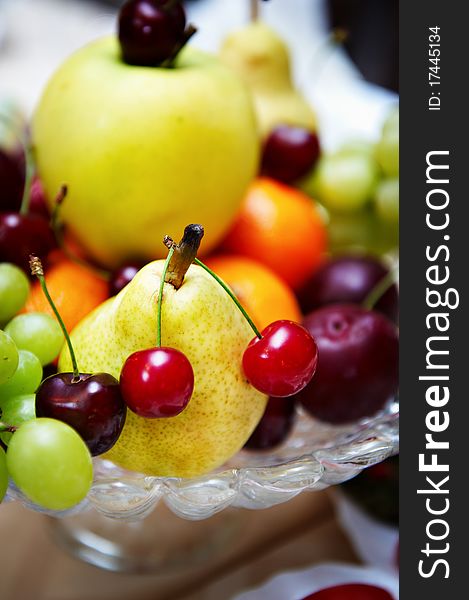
[(289, 153), (283, 361), (149, 31), (157, 382), (351, 591), (93, 406), (11, 181), (22, 235), (349, 279), (358, 363), (122, 276), (275, 425)]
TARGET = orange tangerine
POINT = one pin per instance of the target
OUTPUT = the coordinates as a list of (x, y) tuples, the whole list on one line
[(280, 227), (261, 292), (75, 289)]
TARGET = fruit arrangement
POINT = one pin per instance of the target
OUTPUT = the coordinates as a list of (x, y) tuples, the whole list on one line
[(120, 343)]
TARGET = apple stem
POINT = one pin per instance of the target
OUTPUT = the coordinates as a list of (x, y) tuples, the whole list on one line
[(231, 295), (35, 265), (380, 289), (172, 248), (184, 254), (8, 428)]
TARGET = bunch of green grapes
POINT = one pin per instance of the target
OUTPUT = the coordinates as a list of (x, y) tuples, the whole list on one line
[(359, 187), (46, 459)]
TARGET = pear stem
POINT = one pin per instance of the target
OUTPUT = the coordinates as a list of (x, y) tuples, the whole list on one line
[(231, 295), (35, 265), (254, 10), (184, 254), (380, 289), (160, 293)]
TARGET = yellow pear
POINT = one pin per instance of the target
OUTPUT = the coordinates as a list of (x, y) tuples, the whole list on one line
[(261, 58), (200, 320)]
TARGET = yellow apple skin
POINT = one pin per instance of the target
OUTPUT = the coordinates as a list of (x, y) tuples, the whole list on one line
[(143, 150), (202, 321)]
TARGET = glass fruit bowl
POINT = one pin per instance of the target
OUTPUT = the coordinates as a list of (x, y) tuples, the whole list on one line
[(314, 456), (130, 522)]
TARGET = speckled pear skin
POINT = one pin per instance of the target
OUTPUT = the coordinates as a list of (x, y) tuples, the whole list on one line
[(202, 321)]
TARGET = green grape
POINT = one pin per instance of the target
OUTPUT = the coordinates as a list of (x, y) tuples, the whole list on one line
[(344, 182), (387, 153), (17, 410), (9, 357), (50, 463), (356, 146), (391, 124), (14, 290), (26, 378), (39, 333), (3, 474), (387, 200)]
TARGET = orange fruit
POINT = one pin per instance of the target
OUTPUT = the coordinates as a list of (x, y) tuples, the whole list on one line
[(280, 227), (262, 293), (75, 289)]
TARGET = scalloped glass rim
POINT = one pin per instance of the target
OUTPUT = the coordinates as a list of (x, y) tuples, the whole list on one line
[(315, 456)]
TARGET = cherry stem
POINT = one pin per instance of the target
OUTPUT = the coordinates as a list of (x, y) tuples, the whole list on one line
[(184, 254), (35, 265), (8, 428), (160, 292), (231, 295), (380, 289), (188, 33)]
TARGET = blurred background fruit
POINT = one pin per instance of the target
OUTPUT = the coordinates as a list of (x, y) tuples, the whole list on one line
[(263, 294), (75, 289), (280, 227)]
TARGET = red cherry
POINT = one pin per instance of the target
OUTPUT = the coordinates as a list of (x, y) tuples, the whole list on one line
[(23, 235), (283, 361), (351, 591), (157, 382), (289, 153), (122, 276), (149, 31)]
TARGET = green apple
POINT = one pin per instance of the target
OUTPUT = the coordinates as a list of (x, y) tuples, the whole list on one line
[(144, 150)]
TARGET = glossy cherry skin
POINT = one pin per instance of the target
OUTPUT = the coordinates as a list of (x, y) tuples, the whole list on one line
[(275, 425), (157, 382), (289, 153), (349, 279), (122, 276), (351, 591), (358, 364), (93, 406), (283, 361), (11, 182), (149, 32), (22, 235)]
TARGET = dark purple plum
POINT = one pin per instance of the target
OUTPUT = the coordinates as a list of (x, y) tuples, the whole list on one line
[(289, 153), (93, 406), (357, 364), (150, 31), (349, 279), (275, 425)]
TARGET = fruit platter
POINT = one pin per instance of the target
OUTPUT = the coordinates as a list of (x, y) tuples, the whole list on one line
[(198, 306)]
